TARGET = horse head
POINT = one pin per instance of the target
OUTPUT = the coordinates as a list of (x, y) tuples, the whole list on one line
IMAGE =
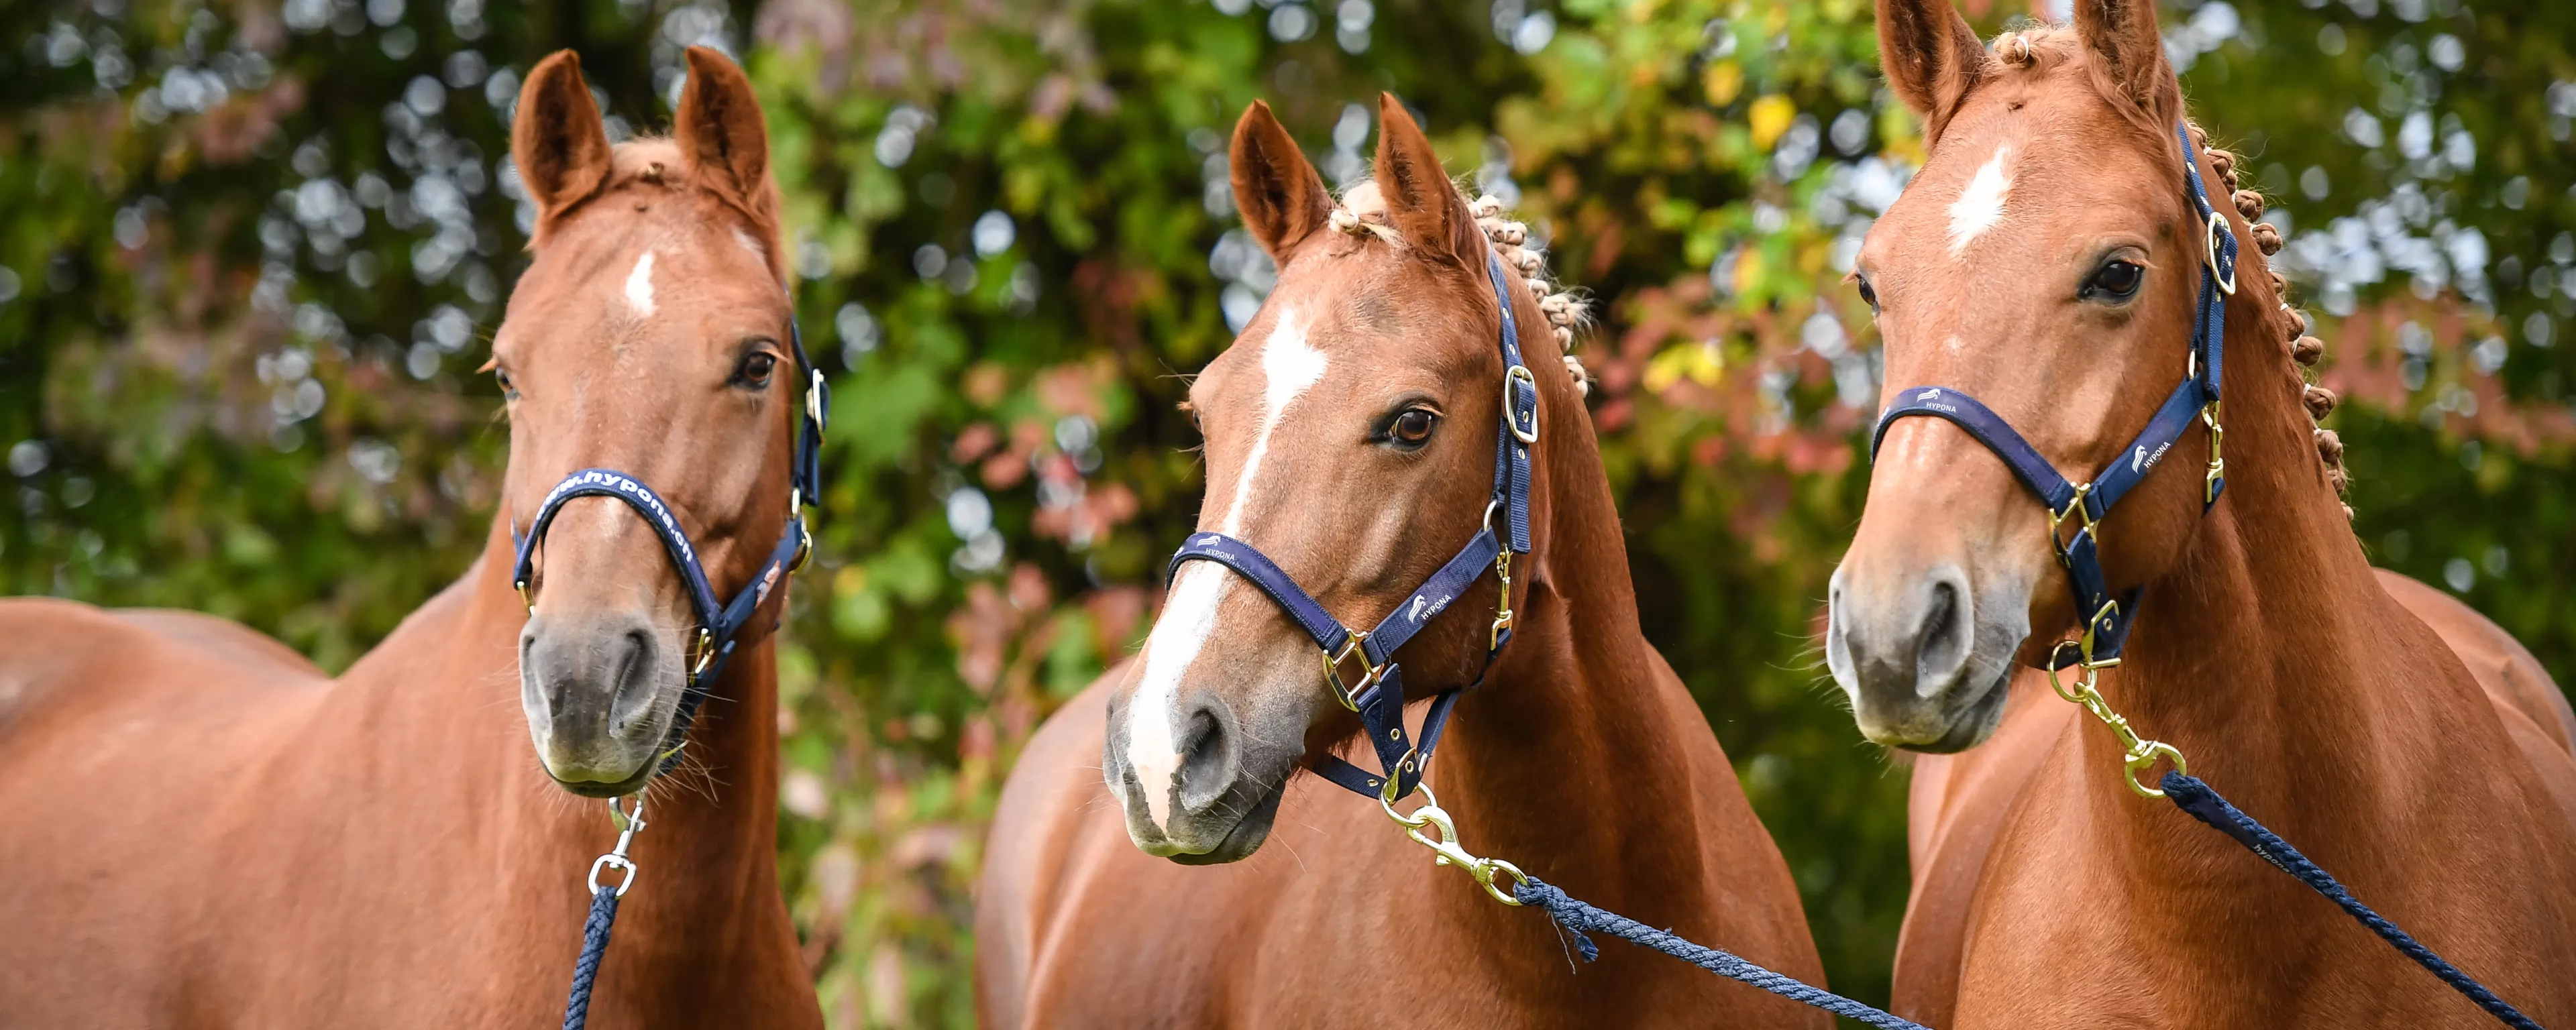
[(2052, 262), (1351, 436), (650, 335)]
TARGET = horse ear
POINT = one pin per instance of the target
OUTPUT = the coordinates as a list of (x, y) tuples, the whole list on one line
[(1931, 56), (2122, 34), (722, 134), (1282, 199), (1424, 208), (557, 141)]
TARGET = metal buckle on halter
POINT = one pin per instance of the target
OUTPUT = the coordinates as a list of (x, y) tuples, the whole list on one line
[(804, 544), (2217, 451), (2074, 506), (704, 653), (1512, 413), (1503, 617), (2226, 277), (1347, 694), (526, 595)]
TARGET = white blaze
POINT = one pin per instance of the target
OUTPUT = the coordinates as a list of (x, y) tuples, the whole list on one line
[(1289, 367), (1981, 205), (639, 286)]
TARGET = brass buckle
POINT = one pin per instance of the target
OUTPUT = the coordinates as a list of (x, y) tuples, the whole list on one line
[(2217, 451), (1348, 694), (704, 653), (1503, 617), (2217, 223), (2074, 507), (804, 545), (1511, 412)]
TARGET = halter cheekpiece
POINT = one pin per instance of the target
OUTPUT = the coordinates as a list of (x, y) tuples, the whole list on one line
[(1378, 694), (718, 624), (2105, 619)]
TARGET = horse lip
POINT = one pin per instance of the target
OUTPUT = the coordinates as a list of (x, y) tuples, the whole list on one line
[(605, 789), (1973, 724), (1246, 835)]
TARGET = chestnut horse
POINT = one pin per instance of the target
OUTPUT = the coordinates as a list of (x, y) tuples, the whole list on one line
[(1351, 435), (383, 849), (2046, 261)]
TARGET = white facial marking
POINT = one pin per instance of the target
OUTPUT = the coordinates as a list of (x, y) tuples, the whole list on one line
[(639, 286), (1289, 367), (1188, 619), (743, 239), (1981, 205)]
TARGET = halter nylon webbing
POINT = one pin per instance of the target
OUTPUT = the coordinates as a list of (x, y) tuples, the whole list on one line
[(1380, 697), (2105, 621), (718, 623)]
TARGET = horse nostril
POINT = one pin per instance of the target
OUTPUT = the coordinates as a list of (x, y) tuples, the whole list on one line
[(1945, 636), (1207, 758), (631, 682)]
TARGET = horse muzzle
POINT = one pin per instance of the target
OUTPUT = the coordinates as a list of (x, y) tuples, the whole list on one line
[(599, 691)]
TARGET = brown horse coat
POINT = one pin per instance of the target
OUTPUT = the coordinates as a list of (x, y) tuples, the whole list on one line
[(1582, 758), (199, 829), (2399, 740)]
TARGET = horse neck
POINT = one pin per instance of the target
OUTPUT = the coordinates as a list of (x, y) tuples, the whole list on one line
[(2270, 655), (1571, 727), (708, 850)]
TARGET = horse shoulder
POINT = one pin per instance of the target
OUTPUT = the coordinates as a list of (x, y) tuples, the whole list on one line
[(1053, 785), (1956, 805), (2512, 677)]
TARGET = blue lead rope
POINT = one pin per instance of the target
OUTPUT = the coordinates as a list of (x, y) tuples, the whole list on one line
[(594, 946), (2204, 804), (1584, 919)]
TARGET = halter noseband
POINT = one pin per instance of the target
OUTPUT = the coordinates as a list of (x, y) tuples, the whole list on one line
[(718, 625), (1378, 697), (2105, 620)]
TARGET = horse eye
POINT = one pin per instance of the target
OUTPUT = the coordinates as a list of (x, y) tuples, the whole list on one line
[(755, 369), (1412, 428), (509, 389), (2115, 281), (1869, 294)]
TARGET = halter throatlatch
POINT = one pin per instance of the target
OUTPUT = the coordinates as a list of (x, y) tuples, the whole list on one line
[(1378, 693), (718, 623), (2103, 620)]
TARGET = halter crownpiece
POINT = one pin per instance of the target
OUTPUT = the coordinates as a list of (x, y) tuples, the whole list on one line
[(718, 623), (1378, 696), (2104, 620)]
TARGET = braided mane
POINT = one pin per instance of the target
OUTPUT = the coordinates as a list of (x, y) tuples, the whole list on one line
[(1361, 211), (2032, 48)]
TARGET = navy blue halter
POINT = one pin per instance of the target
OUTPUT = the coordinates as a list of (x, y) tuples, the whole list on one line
[(718, 623), (2105, 619), (1378, 697)]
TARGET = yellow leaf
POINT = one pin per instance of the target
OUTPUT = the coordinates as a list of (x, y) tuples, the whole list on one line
[(1748, 271), (1769, 118), (1700, 363), (1722, 81)]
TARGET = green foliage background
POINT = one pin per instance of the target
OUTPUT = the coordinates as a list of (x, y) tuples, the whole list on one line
[(249, 252)]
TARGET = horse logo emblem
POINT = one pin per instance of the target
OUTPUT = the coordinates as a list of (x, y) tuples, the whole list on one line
[(1932, 394)]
